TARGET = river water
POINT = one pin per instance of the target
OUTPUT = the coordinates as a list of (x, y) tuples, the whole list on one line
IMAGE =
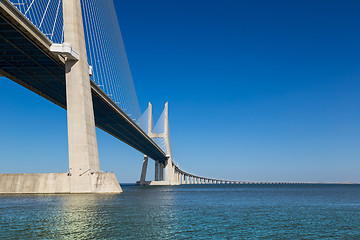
[(187, 212)]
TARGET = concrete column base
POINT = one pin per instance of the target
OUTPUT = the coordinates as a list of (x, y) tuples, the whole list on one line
[(157, 183), (30, 183)]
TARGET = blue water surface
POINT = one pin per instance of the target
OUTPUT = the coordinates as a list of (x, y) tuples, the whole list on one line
[(187, 212)]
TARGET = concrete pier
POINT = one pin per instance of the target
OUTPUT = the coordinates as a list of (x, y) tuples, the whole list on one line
[(157, 175), (83, 150), (55, 183), (143, 171), (161, 178)]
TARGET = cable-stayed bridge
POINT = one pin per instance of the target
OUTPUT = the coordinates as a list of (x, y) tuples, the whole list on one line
[(71, 53)]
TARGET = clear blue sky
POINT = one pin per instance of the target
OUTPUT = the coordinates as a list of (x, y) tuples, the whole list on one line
[(257, 90)]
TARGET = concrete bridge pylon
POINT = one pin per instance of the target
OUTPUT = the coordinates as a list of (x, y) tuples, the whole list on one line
[(84, 162), (84, 174), (165, 174)]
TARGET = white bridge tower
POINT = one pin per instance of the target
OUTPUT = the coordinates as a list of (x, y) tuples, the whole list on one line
[(165, 174)]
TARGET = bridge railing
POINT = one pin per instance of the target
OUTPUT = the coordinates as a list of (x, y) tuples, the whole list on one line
[(46, 15)]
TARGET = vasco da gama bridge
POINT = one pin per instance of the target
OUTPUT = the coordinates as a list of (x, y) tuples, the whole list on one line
[(71, 53)]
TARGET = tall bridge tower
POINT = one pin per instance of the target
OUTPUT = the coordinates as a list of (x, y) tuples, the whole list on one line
[(84, 174), (84, 165), (169, 178)]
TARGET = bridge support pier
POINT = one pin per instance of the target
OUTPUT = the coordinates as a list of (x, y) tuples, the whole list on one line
[(30, 183), (170, 175), (143, 171), (161, 173), (84, 174), (156, 170), (83, 150)]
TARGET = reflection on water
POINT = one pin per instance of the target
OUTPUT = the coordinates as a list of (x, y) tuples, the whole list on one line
[(185, 212), (81, 215)]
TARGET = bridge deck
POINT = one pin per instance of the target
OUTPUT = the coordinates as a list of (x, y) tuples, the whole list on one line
[(26, 59)]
